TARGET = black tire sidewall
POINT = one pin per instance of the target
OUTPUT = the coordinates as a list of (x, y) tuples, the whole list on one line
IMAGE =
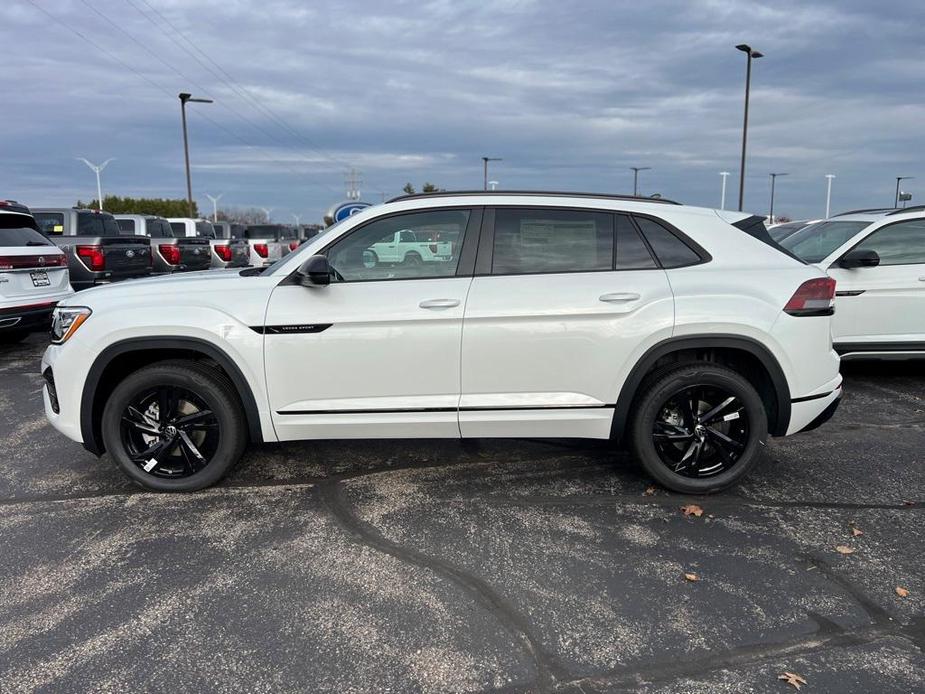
[(653, 398), (205, 383)]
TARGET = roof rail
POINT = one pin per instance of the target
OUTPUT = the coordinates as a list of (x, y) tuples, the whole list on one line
[(870, 209), (911, 208), (560, 194)]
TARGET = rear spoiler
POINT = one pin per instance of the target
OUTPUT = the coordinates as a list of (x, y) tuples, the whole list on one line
[(754, 226)]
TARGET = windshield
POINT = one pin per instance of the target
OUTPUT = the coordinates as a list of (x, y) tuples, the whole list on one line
[(782, 231), (818, 241)]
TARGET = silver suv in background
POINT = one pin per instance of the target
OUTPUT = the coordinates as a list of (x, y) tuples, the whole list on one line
[(229, 247), (98, 252)]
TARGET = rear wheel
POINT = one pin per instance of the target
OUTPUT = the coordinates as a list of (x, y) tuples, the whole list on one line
[(174, 426), (413, 259), (698, 428)]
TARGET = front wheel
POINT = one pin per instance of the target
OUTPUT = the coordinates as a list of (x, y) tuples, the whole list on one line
[(698, 428), (174, 426)]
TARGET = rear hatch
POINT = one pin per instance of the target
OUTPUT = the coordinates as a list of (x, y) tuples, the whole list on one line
[(194, 253), (30, 266)]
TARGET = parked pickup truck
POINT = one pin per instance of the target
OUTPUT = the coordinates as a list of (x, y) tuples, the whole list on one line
[(198, 233), (169, 253), (229, 247), (265, 244), (404, 247), (97, 251)]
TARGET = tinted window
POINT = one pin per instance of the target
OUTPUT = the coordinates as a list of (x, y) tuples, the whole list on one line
[(237, 231), (632, 253), (205, 230), (263, 231), (178, 229), (370, 253), (669, 249), (12, 233), (818, 241), (782, 231), (95, 224), (50, 223), (548, 241), (126, 226), (902, 243)]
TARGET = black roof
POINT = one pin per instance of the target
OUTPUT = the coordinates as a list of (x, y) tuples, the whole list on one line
[(556, 194)]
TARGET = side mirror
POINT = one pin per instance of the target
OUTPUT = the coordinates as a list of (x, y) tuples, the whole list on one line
[(315, 272), (860, 258)]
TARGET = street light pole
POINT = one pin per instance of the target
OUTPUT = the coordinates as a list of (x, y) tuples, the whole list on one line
[(636, 170), (267, 211), (184, 98), (898, 179), (215, 205), (773, 178), (828, 195), (722, 200), (748, 83), (297, 218), (97, 170), (485, 161)]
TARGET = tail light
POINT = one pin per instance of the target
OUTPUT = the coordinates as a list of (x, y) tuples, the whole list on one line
[(223, 252), (261, 249), (814, 297), (16, 262), (170, 253), (293, 245), (92, 257)]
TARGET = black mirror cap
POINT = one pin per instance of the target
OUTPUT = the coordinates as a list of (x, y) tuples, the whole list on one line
[(315, 272), (860, 258)]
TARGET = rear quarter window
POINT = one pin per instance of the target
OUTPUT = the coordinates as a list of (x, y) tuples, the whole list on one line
[(50, 223), (127, 226), (92, 224), (670, 250)]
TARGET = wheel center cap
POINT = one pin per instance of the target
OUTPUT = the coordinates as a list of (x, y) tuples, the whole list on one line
[(700, 430), (170, 430)]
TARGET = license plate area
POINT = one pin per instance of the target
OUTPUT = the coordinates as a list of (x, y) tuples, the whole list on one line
[(40, 278)]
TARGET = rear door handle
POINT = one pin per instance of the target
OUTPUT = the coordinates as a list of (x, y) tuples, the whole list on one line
[(921, 279), (619, 297), (439, 303)]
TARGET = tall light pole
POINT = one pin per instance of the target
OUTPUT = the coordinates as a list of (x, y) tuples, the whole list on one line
[(215, 205), (828, 194), (636, 170), (485, 161), (184, 98), (493, 184), (748, 84), (773, 178), (266, 212), (297, 218), (722, 200), (898, 179), (99, 188)]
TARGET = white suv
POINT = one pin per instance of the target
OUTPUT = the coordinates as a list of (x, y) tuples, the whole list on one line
[(556, 315), (878, 259)]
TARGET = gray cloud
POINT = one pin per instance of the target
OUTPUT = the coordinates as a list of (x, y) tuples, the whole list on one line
[(569, 94)]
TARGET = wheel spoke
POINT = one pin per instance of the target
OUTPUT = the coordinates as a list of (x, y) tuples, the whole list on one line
[(708, 417), (154, 454), (691, 456), (671, 432), (720, 436), (141, 422), (189, 447), (194, 419)]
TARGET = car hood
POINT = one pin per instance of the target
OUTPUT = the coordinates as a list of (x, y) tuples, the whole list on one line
[(190, 284)]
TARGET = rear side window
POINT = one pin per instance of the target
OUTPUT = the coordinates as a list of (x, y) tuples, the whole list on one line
[(668, 248), (93, 224), (127, 226), (12, 234), (158, 228), (50, 223), (178, 229), (632, 253), (902, 243), (530, 241)]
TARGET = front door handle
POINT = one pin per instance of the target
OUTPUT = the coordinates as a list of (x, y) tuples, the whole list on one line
[(439, 303), (619, 297)]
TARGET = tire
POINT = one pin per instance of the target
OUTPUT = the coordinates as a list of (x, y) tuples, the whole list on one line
[(413, 259), (214, 428), (370, 259), (702, 446)]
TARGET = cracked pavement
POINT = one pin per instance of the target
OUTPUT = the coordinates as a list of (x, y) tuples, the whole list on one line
[(371, 566)]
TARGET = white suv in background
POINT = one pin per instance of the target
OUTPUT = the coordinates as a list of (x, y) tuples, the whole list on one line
[(656, 325), (877, 258), (33, 274)]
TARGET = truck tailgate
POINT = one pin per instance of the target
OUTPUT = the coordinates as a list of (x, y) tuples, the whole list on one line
[(126, 256), (195, 254)]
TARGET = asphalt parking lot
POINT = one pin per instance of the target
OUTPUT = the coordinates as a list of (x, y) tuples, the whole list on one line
[(375, 566)]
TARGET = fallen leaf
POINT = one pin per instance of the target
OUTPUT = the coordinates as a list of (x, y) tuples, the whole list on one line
[(691, 577), (901, 592), (844, 549), (692, 510), (856, 532), (793, 679), (649, 491)]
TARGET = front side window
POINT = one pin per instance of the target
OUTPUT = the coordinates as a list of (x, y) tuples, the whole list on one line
[(530, 241), (902, 243), (818, 241), (381, 250), (50, 223), (668, 248)]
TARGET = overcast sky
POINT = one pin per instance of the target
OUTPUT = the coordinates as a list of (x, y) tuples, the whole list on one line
[(569, 94)]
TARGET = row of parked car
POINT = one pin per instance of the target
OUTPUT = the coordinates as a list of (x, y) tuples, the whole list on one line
[(46, 253)]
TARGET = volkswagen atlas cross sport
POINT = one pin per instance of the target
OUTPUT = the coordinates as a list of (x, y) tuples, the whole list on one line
[(653, 324), (878, 259)]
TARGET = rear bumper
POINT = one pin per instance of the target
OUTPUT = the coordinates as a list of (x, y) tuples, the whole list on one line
[(33, 317), (825, 415), (807, 412)]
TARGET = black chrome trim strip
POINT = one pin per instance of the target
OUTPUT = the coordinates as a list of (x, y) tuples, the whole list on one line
[(807, 398), (846, 347), (291, 329), (851, 292), (451, 409)]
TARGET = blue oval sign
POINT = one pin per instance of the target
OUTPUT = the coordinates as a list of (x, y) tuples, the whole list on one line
[(341, 212)]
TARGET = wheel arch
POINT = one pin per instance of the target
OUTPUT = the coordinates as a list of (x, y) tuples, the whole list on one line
[(775, 391), (132, 353)]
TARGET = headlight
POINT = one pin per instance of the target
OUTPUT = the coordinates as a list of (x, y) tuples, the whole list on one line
[(65, 320)]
